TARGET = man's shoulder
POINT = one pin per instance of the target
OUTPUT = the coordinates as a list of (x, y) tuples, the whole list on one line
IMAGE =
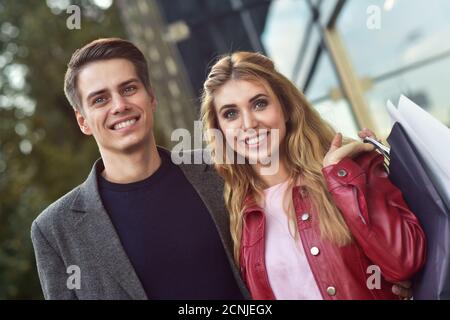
[(197, 165), (200, 157), (56, 213), (198, 160)]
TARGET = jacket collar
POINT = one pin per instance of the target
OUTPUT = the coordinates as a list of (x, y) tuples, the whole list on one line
[(250, 204), (96, 230), (209, 187), (251, 207), (94, 227)]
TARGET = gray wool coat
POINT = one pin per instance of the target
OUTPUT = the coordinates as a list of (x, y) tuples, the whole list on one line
[(76, 231)]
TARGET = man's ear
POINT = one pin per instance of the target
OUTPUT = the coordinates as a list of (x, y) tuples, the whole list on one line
[(153, 101), (82, 123)]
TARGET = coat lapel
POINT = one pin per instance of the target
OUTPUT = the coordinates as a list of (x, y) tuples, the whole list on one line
[(96, 230), (209, 187)]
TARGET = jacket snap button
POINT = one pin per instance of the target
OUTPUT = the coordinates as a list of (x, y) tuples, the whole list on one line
[(305, 216), (331, 291), (342, 173), (304, 192), (315, 251)]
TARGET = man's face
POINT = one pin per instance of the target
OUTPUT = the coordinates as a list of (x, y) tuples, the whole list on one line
[(117, 108)]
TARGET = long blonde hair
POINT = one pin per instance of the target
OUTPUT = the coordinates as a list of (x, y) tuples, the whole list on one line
[(308, 138)]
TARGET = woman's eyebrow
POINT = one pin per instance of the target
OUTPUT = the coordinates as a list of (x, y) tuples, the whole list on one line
[(259, 95), (227, 106), (232, 105)]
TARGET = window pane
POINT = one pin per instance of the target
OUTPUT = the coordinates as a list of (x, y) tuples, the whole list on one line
[(409, 31), (393, 59), (309, 56), (324, 79), (325, 95), (427, 86), (326, 10), (339, 115), (284, 32)]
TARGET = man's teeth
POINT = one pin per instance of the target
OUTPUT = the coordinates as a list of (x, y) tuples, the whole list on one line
[(256, 139), (124, 124)]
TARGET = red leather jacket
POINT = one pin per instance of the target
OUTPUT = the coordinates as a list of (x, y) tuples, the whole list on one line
[(385, 232)]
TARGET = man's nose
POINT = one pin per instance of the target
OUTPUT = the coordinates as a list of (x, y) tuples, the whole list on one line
[(120, 104)]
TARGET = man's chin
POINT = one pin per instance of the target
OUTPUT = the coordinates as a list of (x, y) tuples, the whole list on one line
[(130, 147)]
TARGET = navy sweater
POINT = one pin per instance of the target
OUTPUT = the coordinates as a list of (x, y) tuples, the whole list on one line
[(169, 236)]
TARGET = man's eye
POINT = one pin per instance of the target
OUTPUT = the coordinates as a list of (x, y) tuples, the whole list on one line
[(129, 89), (230, 114), (260, 104), (99, 100)]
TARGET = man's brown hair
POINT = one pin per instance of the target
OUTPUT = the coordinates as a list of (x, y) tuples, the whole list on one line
[(102, 49)]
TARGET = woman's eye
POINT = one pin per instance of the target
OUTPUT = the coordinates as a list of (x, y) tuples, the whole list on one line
[(260, 104), (230, 114)]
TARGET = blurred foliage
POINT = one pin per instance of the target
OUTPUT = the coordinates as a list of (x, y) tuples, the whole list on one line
[(43, 154)]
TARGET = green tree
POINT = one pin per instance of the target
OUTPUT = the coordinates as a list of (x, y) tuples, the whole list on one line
[(42, 152)]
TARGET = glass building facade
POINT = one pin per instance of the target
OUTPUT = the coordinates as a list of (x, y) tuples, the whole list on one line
[(348, 56), (378, 49)]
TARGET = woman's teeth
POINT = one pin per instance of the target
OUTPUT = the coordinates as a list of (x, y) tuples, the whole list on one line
[(255, 140)]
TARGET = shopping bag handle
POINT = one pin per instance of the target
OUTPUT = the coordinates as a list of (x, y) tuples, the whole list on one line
[(379, 146)]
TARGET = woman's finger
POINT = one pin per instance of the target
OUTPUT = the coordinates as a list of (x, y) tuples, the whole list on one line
[(336, 143), (404, 284), (353, 149), (402, 292), (338, 152), (366, 133)]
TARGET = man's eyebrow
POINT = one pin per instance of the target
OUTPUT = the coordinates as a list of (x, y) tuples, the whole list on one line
[(122, 84), (95, 93), (232, 105)]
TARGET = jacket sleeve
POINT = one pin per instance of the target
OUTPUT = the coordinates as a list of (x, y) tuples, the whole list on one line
[(377, 215), (51, 268)]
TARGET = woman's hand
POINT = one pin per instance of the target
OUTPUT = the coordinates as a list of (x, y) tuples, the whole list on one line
[(403, 290), (366, 133), (338, 152)]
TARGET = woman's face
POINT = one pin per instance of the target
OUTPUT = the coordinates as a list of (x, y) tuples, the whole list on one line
[(251, 119)]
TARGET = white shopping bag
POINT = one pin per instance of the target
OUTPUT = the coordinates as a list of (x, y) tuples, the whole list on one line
[(430, 138)]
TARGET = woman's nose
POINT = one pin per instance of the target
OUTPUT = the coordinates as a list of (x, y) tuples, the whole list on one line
[(248, 121)]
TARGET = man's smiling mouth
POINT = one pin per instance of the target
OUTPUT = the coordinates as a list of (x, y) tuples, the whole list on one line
[(124, 124)]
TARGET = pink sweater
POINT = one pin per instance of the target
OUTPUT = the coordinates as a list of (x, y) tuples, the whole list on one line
[(289, 273)]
